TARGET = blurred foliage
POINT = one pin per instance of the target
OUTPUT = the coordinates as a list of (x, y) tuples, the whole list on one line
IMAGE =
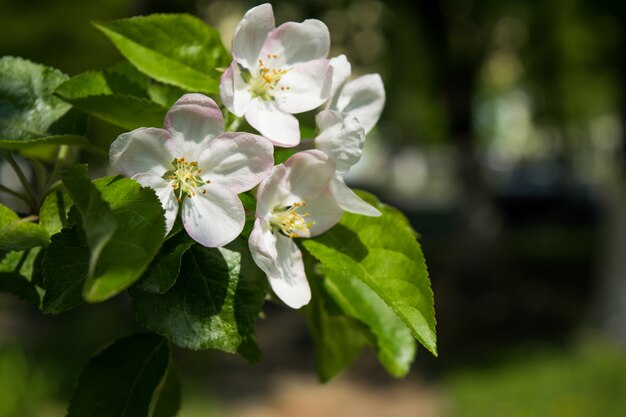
[(536, 382)]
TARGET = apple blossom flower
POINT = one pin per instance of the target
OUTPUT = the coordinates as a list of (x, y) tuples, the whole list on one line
[(192, 164), (276, 72), (294, 201), (352, 111), (363, 97)]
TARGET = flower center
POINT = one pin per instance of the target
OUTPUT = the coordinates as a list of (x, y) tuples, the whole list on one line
[(290, 222), (263, 84), (185, 178)]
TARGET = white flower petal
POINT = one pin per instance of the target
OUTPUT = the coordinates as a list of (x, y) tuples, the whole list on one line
[(323, 212), (237, 161), (241, 95), (341, 73), (272, 191), (290, 285), (341, 137), (310, 172), (349, 201), (165, 193), (364, 98), (304, 87), (281, 128), (262, 244), (192, 121), (215, 218), (251, 33), (144, 150), (293, 43), (227, 87)]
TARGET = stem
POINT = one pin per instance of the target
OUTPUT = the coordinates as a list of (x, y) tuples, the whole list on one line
[(61, 157), (23, 180)]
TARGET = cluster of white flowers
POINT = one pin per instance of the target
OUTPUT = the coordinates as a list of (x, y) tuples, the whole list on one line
[(193, 165)]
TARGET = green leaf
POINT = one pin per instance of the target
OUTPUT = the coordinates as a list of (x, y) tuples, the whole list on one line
[(392, 340), (27, 263), (54, 211), (65, 267), (176, 49), (214, 303), (123, 380), (168, 402), (338, 339), (29, 112), (115, 96), (16, 284), (98, 221), (137, 239), (19, 234), (123, 224), (383, 253), (164, 270)]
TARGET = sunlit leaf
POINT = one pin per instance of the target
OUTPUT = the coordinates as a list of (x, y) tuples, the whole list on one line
[(176, 49), (383, 253), (17, 233)]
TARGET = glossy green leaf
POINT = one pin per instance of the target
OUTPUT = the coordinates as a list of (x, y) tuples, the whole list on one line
[(16, 284), (65, 267), (98, 222), (163, 271), (123, 380), (392, 340), (137, 238), (29, 112), (176, 49), (115, 97), (19, 234), (214, 303), (338, 339), (123, 224), (383, 253), (53, 212)]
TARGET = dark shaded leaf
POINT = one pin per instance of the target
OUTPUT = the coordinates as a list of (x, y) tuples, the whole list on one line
[(123, 380), (214, 303)]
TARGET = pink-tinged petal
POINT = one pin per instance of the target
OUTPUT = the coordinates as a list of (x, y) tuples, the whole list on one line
[(304, 87), (363, 98), (292, 43), (341, 137), (165, 193), (272, 191), (262, 244), (281, 128), (227, 87), (242, 96), (192, 121), (215, 218), (349, 201), (237, 161), (341, 73), (290, 285), (251, 33), (310, 173), (323, 212), (142, 151)]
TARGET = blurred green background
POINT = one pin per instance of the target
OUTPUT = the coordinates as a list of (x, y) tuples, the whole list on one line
[(503, 141)]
